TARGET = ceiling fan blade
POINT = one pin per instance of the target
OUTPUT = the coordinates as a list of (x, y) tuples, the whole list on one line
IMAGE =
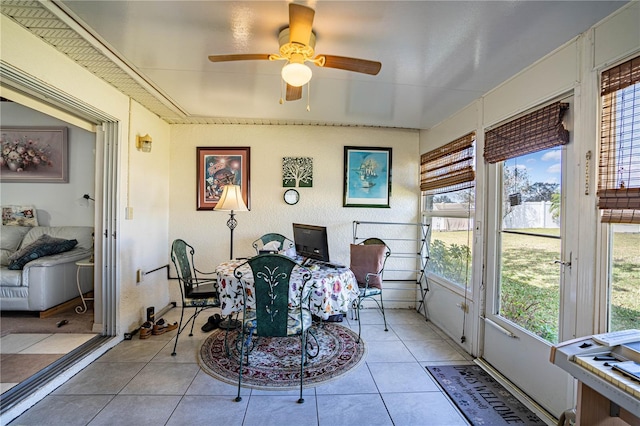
[(293, 93), (352, 64), (300, 23), (239, 57)]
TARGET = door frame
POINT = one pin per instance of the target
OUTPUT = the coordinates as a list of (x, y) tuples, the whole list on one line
[(498, 333), (22, 396)]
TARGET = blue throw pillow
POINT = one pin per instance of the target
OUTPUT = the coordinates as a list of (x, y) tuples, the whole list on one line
[(43, 246)]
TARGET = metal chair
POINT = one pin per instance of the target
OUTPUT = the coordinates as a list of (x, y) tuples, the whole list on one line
[(272, 316), (367, 263), (285, 243), (196, 292)]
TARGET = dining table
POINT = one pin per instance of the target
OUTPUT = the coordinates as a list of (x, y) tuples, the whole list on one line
[(333, 288)]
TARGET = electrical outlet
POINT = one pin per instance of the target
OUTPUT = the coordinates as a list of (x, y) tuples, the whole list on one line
[(128, 213), (139, 275)]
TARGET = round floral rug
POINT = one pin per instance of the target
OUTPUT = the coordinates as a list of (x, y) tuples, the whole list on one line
[(275, 362)]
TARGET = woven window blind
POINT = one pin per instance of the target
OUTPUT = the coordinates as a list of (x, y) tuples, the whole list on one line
[(619, 167), (533, 132), (449, 168)]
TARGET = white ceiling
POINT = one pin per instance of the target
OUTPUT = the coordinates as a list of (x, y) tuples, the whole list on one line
[(437, 56)]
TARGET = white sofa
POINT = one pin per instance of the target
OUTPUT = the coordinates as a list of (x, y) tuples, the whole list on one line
[(49, 280)]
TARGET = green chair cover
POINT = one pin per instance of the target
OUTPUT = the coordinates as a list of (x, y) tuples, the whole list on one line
[(272, 316)]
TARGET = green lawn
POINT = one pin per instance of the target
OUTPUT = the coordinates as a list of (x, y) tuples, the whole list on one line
[(530, 290)]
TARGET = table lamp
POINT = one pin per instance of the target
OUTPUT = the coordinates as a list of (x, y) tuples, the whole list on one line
[(231, 200)]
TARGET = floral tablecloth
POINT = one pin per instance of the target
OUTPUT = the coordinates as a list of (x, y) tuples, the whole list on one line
[(333, 289)]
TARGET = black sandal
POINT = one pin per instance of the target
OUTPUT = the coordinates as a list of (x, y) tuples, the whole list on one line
[(212, 323)]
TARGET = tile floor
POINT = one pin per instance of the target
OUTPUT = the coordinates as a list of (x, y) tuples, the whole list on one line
[(138, 382), (22, 355)]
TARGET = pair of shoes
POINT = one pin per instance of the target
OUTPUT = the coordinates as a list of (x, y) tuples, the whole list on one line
[(161, 327), (212, 323), (334, 318), (146, 330)]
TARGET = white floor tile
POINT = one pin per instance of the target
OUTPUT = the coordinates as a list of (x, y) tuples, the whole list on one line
[(138, 382), (402, 377), (15, 343), (58, 344), (413, 409)]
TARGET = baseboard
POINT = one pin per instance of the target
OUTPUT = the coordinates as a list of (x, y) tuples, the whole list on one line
[(64, 306)]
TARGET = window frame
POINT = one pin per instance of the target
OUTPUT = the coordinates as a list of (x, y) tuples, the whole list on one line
[(468, 214), (605, 232)]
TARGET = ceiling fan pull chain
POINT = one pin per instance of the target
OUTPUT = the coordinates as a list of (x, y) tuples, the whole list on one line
[(308, 96), (281, 86)]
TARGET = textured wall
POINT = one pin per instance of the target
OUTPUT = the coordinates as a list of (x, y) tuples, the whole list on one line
[(319, 205)]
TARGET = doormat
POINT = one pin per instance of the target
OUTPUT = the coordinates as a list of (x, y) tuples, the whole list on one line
[(481, 399), (275, 362)]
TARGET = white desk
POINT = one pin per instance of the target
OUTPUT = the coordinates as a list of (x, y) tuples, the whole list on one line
[(86, 263), (334, 289), (605, 397)]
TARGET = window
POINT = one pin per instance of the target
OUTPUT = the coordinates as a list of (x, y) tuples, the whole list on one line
[(451, 218), (531, 242), (448, 187), (530, 239), (619, 190)]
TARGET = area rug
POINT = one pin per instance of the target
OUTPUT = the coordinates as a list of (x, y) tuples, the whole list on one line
[(275, 362), (480, 398)]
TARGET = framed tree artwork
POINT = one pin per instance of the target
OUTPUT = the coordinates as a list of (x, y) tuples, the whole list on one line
[(217, 167), (297, 172), (367, 177)]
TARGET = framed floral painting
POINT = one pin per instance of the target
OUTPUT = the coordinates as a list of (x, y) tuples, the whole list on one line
[(367, 177), (34, 154), (218, 167)]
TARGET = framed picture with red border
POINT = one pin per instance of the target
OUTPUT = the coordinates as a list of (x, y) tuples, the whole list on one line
[(217, 167)]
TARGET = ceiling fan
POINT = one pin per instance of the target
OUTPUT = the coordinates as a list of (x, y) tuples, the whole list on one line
[(297, 46)]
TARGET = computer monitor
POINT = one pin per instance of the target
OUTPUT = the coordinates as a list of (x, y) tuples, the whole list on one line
[(311, 241)]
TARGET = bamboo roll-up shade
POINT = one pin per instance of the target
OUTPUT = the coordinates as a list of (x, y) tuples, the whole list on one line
[(621, 76), (538, 130), (619, 163), (450, 167)]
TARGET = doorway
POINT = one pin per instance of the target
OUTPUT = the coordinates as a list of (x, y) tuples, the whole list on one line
[(103, 128), (529, 274)]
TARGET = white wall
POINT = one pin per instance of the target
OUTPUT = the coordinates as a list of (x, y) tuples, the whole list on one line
[(571, 69), (57, 204), (144, 237), (141, 179), (319, 205)]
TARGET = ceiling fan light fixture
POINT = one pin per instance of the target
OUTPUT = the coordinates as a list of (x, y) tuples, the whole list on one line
[(296, 74)]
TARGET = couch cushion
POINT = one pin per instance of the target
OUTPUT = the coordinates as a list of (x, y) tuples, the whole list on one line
[(367, 259), (84, 234), (43, 246), (10, 240), (10, 278)]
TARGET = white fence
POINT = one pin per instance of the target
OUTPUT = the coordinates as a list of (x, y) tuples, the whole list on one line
[(534, 214)]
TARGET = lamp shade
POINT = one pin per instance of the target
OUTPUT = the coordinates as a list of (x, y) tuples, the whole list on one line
[(296, 74), (231, 199)]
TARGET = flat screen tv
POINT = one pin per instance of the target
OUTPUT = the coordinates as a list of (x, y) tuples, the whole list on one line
[(311, 242)]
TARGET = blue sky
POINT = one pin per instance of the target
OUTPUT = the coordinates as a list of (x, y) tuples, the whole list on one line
[(543, 166)]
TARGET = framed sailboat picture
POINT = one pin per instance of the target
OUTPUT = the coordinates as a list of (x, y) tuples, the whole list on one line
[(367, 177)]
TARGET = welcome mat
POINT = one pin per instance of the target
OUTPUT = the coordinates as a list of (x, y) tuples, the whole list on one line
[(274, 364), (480, 398)]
